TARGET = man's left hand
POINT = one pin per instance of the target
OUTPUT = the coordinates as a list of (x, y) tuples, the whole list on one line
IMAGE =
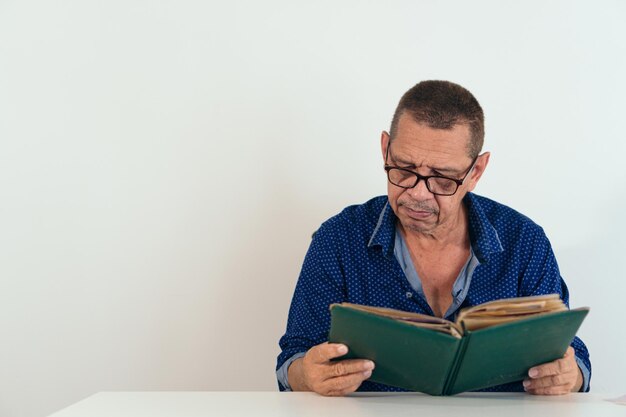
[(555, 378)]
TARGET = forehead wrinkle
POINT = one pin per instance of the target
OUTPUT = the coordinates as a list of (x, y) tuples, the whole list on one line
[(437, 149), (433, 166)]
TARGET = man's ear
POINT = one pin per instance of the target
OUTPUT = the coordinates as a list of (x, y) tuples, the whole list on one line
[(479, 169), (384, 143)]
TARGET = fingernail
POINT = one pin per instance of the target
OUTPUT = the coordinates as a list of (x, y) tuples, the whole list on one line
[(367, 374), (343, 349), (526, 383), (533, 372), (369, 365)]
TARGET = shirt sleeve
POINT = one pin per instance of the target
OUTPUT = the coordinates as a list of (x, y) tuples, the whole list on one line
[(320, 284), (281, 373), (586, 372), (540, 276)]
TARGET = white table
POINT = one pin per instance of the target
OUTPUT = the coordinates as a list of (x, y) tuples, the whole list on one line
[(277, 404)]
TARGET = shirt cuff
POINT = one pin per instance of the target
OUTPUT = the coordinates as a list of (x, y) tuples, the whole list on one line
[(281, 373), (586, 374)]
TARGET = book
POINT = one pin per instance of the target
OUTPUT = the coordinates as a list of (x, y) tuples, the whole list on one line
[(489, 344)]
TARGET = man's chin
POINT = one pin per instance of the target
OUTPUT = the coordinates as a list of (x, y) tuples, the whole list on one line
[(419, 226)]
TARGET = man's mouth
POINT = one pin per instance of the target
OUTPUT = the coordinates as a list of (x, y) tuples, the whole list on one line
[(418, 212)]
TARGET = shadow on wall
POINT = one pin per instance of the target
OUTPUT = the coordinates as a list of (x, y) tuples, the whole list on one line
[(594, 272)]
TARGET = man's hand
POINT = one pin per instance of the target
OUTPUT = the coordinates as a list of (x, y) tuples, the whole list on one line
[(315, 371), (555, 378)]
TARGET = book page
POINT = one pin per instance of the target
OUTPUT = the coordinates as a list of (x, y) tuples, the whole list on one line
[(508, 310), (416, 319)]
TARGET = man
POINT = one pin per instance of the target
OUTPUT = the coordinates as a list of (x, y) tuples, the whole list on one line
[(429, 246)]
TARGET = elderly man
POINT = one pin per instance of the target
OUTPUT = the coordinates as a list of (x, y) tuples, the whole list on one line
[(430, 246)]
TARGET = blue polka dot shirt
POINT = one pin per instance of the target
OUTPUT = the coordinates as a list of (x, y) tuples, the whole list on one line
[(357, 257)]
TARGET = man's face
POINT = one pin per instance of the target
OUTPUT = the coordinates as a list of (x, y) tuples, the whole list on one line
[(430, 151)]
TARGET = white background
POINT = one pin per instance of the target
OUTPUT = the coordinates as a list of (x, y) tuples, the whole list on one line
[(163, 164)]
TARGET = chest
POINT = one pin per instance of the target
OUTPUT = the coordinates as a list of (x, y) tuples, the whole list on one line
[(378, 279), (438, 272), (439, 268)]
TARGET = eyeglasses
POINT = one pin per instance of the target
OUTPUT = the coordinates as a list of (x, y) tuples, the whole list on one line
[(436, 184)]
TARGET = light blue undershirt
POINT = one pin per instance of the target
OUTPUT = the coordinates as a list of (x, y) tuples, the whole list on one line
[(461, 284), (459, 292)]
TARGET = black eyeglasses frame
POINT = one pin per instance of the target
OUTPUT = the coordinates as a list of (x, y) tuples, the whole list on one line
[(426, 178)]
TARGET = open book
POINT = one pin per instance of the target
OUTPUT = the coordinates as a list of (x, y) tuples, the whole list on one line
[(489, 344)]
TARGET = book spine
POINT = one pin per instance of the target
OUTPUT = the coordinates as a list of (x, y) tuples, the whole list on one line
[(456, 364)]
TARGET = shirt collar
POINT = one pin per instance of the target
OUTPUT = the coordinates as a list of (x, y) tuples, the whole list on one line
[(483, 236), (384, 232)]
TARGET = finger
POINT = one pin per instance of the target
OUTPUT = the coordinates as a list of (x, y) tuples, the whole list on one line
[(556, 367), (345, 384), (344, 392), (326, 351), (549, 381), (349, 366), (569, 352), (554, 390)]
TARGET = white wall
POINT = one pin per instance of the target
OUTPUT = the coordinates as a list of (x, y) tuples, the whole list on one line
[(163, 164)]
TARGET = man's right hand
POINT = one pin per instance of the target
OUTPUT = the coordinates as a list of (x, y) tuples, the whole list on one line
[(316, 372)]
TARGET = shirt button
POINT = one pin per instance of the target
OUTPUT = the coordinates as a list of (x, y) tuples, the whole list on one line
[(409, 294)]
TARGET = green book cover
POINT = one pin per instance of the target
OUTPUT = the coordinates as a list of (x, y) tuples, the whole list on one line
[(437, 363)]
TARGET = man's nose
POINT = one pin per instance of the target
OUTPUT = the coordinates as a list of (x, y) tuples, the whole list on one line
[(420, 191)]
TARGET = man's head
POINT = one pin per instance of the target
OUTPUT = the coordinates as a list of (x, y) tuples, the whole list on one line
[(442, 105), (437, 130)]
